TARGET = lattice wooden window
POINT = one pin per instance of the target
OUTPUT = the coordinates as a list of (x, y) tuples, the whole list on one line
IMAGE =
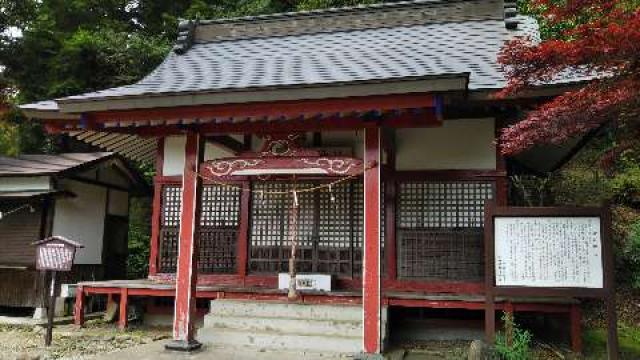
[(170, 228), (443, 204), (218, 229), (329, 230), (440, 229)]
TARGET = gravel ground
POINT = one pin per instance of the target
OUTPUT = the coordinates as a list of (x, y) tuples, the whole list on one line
[(70, 342)]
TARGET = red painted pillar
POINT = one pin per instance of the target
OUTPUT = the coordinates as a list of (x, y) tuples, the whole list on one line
[(123, 321), (371, 267), (78, 310), (186, 278)]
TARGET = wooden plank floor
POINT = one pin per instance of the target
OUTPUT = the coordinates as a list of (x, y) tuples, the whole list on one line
[(148, 284)]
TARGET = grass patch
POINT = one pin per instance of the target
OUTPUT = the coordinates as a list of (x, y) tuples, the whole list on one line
[(595, 342)]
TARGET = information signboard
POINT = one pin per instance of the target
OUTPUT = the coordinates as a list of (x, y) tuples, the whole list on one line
[(549, 252)]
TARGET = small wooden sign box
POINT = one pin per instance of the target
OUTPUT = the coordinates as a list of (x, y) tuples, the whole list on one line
[(54, 254), (549, 252)]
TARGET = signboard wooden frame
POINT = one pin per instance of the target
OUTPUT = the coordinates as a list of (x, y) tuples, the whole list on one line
[(607, 293)]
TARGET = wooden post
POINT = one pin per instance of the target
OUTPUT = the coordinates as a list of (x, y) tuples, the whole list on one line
[(609, 286), (612, 327), (371, 267), (508, 326), (576, 328), (51, 309), (155, 214), (186, 279), (124, 303), (243, 230), (78, 309), (390, 195), (490, 306)]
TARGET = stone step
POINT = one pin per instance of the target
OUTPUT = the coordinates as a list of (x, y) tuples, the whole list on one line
[(286, 325), (273, 340), (263, 309), (243, 352)]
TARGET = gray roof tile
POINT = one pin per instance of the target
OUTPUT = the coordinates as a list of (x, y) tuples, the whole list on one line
[(380, 54), (30, 165)]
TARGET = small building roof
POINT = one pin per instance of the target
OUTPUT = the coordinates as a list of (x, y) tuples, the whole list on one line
[(36, 165), (69, 164)]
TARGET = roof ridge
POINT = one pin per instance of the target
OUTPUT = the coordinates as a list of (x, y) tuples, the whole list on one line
[(327, 11), (381, 15)]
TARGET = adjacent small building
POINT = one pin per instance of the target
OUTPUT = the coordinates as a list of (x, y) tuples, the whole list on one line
[(84, 197)]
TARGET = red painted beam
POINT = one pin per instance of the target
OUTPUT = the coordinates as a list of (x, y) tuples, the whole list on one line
[(428, 118), (441, 287), (436, 304), (187, 275), (435, 175), (371, 297), (273, 109), (101, 290), (152, 292)]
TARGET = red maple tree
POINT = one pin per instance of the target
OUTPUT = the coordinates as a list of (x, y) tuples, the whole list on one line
[(601, 39)]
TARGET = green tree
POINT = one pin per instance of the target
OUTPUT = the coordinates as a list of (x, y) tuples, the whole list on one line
[(55, 48)]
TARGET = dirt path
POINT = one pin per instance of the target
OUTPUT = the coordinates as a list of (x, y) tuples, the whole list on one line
[(70, 342)]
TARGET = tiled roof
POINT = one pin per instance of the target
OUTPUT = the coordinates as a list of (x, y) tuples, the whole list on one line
[(268, 58), (337, 57), (29, 165)]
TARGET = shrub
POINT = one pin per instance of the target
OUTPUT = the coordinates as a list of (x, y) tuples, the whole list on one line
[(514, 343)]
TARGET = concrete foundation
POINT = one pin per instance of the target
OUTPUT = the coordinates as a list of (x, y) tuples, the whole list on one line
[(275, 326), (40, 313)]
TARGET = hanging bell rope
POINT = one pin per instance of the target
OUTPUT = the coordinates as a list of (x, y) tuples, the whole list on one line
[(293, 236)]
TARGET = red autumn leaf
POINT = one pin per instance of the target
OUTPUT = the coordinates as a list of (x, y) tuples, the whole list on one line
[(604, 44)]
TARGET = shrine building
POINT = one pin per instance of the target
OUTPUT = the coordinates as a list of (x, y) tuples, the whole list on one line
[(366, 136)]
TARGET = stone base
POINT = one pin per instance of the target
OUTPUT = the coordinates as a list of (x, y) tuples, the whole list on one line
[(183, 346), (365, 356), (40, 313)]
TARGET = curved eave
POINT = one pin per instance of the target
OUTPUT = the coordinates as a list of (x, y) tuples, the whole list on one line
[(532, 92), (440, 83)]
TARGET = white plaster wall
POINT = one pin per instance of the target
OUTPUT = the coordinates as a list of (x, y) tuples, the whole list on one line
[(118, 203), (25, 183), (173, 155), (458, 144), (81, 219)]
